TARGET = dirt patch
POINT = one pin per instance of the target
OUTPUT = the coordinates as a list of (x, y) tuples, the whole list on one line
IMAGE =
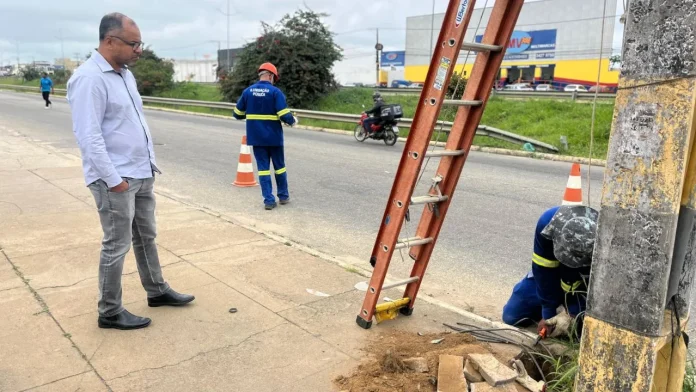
[(385, 370)]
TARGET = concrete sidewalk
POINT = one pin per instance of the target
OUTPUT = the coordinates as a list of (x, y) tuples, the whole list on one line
[(283, 338)]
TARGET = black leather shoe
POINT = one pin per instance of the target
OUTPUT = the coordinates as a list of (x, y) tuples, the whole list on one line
[(170, 298), (124, 320)]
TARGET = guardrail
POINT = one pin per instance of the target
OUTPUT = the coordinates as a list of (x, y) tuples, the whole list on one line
[(444, 126), (575, 95)]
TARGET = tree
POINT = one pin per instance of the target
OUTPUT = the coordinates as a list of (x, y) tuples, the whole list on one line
[(30, 73), (458, 83), (153, 73), (61, 76), (303, 50)]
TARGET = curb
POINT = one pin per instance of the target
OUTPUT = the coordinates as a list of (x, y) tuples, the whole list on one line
[(488, 150)]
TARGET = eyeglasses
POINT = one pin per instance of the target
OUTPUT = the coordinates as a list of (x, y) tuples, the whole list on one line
[(135, 45)]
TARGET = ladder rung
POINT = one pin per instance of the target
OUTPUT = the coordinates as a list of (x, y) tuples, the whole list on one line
[(459, 102), (409, 242), (476, 47), (400, 283), (444, 153), (428, 199)]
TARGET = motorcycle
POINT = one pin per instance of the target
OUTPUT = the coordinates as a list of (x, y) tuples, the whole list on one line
[(388, 132)]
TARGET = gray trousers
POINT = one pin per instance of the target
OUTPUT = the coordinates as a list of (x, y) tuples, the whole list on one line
[(127, 217)]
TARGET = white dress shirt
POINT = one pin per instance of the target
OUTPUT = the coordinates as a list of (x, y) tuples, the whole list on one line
[(109, 123)]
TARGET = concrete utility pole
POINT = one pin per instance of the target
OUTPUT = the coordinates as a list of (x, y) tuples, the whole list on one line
[(632, 337)]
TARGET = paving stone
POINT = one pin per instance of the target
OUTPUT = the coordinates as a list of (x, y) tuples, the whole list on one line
[(472, 375), (418, 364), (494, 372), (450, 376)]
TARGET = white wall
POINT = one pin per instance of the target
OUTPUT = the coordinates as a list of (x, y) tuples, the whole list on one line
[(203, 71)]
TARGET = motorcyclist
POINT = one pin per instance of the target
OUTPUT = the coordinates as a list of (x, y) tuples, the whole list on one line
[(374, 113)]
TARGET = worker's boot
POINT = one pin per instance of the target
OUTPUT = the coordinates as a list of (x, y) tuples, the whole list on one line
[(284, 202), (270, 206)]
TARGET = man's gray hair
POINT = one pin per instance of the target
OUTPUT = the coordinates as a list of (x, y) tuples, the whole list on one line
[(110, 23)]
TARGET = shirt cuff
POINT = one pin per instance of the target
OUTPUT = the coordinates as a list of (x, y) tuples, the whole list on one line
[(113, 180), (547, 313)]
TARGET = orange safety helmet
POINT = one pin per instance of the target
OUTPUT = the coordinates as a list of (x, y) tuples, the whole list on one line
[(270, 68)]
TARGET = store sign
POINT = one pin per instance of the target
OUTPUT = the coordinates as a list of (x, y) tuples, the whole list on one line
[(394, 59), (527, 41)]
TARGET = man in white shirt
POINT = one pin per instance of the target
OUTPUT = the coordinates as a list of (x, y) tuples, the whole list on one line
[(119, 165)]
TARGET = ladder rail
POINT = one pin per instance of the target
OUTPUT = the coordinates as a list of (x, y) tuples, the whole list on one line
[(500, 26), (442, 66)]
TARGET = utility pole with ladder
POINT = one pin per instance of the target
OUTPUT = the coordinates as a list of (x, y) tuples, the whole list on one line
[(644, 259), (490, 53)]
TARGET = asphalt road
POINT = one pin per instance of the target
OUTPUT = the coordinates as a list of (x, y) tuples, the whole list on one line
[(339, 189)]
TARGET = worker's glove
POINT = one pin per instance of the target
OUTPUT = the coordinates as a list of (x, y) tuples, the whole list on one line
[(560, 324), (297, 122)]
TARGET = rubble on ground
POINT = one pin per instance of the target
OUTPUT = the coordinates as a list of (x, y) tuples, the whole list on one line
[(399, 361)]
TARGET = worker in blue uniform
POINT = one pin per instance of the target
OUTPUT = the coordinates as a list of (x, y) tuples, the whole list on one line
[(264, 107), (554, 292)]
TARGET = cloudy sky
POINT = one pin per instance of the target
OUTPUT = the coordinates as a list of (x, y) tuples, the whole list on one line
[(188, 29)]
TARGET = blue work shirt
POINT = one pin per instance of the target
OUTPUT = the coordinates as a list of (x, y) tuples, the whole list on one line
[(46, 84), (109, 123), (556, 283), (264, 107)]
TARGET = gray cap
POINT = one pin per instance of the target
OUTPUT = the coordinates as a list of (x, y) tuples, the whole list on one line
[(573, 230)]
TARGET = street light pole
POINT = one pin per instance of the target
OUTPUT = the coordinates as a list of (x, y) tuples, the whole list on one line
[(229, 65), (62, 49), (432, 30)]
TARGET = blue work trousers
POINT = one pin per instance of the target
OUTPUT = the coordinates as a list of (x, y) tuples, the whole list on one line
[(264, 156), (524, 306)]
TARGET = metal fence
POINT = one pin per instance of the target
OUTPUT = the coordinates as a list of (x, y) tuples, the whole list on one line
[(444, 126)]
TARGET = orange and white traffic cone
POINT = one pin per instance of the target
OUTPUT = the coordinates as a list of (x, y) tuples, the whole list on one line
[(245, 170), (573, 192)]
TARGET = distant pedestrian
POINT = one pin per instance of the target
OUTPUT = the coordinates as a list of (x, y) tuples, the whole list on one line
[(264, 107), (46, 89), (119, 166)]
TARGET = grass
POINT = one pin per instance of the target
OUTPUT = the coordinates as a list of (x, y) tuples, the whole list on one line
[(690, 377), (543, 119), (186, 90), (20, 82)]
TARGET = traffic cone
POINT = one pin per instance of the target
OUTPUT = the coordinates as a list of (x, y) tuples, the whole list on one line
[(573, 192), (245, 170)]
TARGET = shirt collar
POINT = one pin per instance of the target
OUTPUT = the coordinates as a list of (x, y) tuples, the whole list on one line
[(264, 82), (102, 63)]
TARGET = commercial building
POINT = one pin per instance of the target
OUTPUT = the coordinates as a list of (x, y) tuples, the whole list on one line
[(555, 41)]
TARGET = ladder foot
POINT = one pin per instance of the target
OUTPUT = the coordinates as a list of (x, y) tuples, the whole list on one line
[(405, 311), (364, 324)]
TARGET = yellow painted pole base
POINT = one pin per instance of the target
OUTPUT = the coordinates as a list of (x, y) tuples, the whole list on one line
[(613, 359)]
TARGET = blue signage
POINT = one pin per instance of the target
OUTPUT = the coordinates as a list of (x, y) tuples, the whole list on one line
[(526, 41), (396, 59)]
